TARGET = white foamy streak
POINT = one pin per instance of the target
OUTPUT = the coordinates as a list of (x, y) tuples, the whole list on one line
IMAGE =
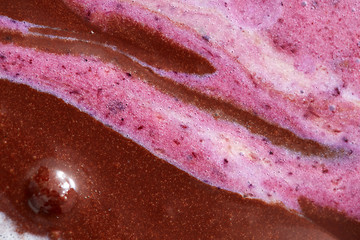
[(8, 231)]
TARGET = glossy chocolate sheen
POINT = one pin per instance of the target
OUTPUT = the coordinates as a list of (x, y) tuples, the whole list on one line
[(158, 48), (122, 191)]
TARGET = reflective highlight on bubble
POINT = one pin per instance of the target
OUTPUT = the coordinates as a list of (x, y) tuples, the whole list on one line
[(51, 191)]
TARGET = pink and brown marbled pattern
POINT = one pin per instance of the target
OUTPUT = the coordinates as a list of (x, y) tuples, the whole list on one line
[(294, 64)]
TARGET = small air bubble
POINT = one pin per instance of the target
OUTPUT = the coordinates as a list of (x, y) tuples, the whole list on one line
[(51, 191)]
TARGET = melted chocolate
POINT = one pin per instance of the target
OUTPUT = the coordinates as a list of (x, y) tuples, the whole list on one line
[(127, 35), (51, 191), (219, 108), (156, 50), (123, 191), (334, 221)]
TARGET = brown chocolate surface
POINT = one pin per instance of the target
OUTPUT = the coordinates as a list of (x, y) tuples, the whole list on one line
[(127, 35), (336, 222), (219, 108), (123, 191)]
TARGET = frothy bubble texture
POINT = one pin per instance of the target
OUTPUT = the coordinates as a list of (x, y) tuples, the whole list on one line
[(316, 98), (8, 231)]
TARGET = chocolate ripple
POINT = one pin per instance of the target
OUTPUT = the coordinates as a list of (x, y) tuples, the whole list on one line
[(164, 53), (128, 35), (217, 107), (124, 192)]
